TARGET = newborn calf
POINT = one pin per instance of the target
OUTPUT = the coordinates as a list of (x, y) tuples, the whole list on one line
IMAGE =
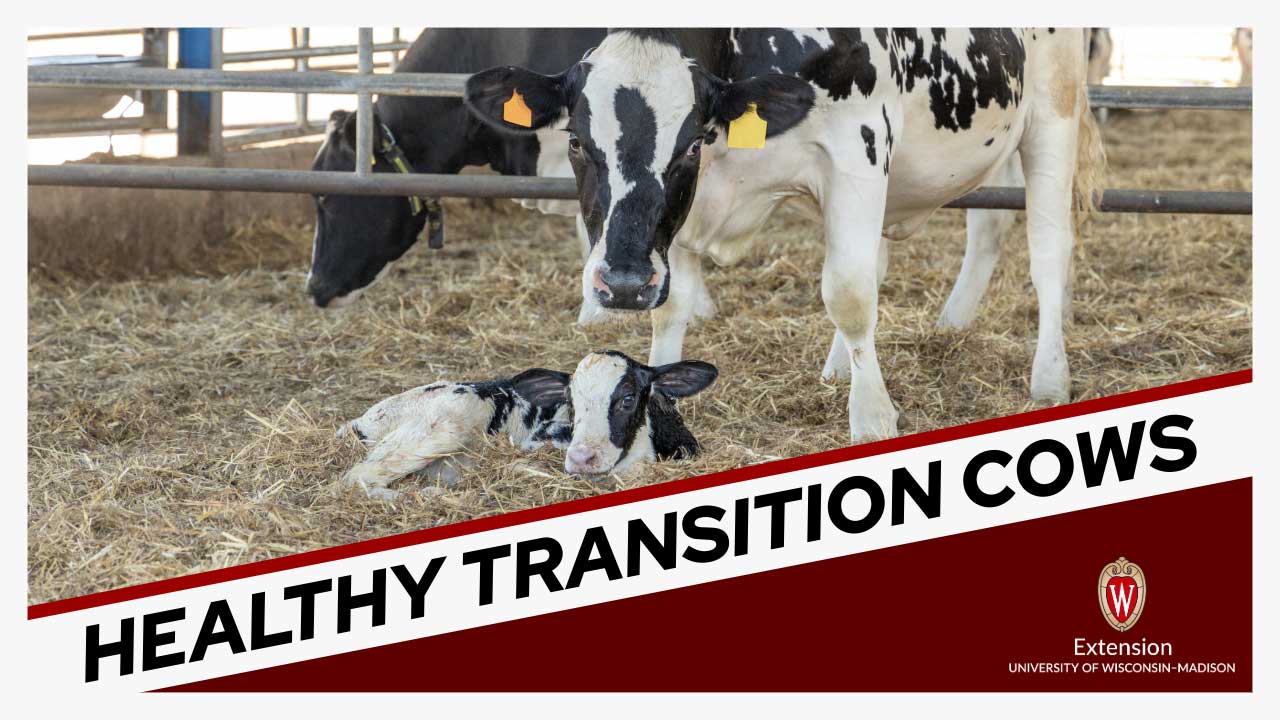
[(421, 430), (624, 413)]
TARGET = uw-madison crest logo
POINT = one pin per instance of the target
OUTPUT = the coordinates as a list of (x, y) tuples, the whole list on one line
[(1122, 592)]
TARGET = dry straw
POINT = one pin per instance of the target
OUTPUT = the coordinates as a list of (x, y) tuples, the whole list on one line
[(185, 423)]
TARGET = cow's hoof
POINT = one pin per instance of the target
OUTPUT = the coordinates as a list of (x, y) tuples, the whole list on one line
[(870, 425), (1050, 380), (955, 318)]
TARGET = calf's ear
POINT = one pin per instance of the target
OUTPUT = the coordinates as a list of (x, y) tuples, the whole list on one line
[(684, 378), (515, 100), (541, 387), (782, 101)]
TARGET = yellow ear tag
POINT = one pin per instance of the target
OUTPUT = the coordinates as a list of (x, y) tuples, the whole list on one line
[(516, 112), (748, 130)]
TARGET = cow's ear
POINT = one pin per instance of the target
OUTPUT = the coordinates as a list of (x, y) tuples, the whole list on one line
[(541, 387), (514, 99), (782, 101), (684, 378), (348, 124)]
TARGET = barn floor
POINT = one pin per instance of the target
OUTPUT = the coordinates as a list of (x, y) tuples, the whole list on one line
[(186, 423)]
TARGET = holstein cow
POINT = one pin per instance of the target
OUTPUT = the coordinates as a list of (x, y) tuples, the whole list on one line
[(357, 236), (878, 127)]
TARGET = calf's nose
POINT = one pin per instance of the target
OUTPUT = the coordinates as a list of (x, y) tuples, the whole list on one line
[(579, 458)]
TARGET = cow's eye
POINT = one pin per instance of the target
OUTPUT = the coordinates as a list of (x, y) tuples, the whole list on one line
[(627, 402), (575, 145), (695, 147)]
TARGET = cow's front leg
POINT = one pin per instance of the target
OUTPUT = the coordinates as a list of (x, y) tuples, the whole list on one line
[(687, 298), (854, 214), (837, 366), (1048, 159)]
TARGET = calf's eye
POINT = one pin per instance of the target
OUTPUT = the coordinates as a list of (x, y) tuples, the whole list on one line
[(575, 145), (695, 147)]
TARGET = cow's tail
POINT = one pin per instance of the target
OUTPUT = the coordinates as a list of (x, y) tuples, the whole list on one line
[(1091, 164)]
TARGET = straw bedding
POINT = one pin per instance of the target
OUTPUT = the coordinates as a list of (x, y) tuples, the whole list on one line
[(185, 422)]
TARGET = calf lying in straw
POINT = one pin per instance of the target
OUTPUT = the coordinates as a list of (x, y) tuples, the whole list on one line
[(623, 414)]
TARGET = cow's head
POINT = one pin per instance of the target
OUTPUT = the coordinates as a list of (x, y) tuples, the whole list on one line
[(612, 399), (356, 235), (638, 112)]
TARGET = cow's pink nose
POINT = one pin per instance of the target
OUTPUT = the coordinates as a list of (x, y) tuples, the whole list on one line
[(580, 458)]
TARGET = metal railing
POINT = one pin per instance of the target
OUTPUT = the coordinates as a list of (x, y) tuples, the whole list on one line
[(154, 94), (362, 182)]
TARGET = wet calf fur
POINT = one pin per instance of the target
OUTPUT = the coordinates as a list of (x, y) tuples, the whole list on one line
[(424, 429)]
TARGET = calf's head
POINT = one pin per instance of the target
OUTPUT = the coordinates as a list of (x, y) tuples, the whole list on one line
[(623, 411), (638, 112), (356, 235)]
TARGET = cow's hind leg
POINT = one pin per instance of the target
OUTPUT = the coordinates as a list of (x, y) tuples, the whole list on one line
[(1048, 158), (985, 230)]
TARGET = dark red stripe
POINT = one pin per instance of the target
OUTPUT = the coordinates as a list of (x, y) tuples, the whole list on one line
[(944, 615), (622, 497)]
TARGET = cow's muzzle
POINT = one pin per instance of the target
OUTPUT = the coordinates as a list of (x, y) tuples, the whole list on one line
[(626, 289)]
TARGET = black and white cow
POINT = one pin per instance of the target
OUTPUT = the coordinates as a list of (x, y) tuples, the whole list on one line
[(624, 412), (424, 429), (357, 236), (878, 127)]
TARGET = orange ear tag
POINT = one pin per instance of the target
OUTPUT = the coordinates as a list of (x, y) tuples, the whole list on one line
[(748, 130), (516, 112)]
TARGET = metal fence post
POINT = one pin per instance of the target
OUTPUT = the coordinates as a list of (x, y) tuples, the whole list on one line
[(215, 101), (364, 108), (301, 38), (155, 103), (193, 107)]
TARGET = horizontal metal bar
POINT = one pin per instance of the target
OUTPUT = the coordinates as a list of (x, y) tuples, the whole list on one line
[(505, 186), (84, 33), (451, 85), (301, 181), (290, 81), (94, 126), (1207, 202), (309, 52), (272, 134), (1140, 97)]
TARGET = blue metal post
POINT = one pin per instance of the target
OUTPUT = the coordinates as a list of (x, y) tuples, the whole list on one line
[(195, 50)]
